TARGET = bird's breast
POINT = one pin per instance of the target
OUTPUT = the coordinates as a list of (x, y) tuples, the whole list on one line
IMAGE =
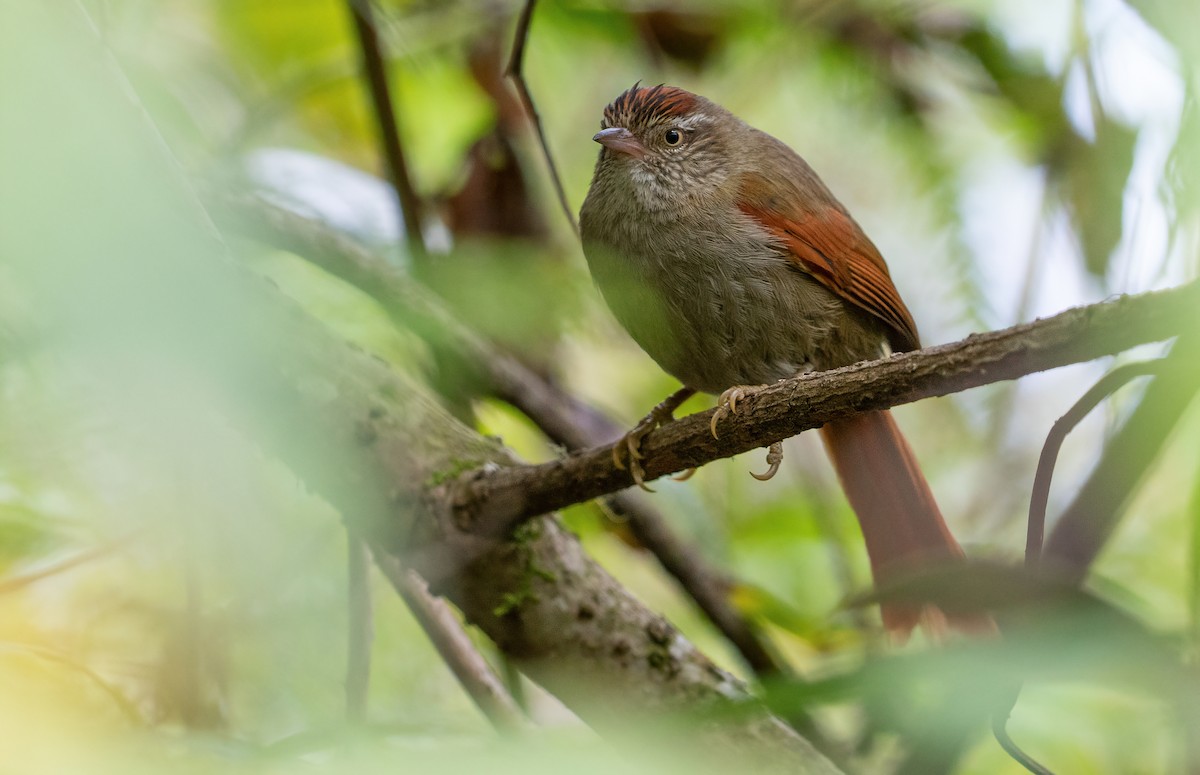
[(717, 304)]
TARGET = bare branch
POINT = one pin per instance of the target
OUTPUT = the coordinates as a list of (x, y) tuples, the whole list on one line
[(1108, 384), (565, 419), (516, 71), (1000, 732), (1087, 523), (1104, 388), (495, 501), (454, 645), (375, 69)]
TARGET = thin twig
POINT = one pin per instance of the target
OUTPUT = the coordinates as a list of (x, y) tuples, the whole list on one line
[(1086, 524), (1105, 387), (1090, 519), (127, 708), (1000, 732), (360, 624), (453, 644), (1035, 531), (20, 581), (375, 69), (516, 72)]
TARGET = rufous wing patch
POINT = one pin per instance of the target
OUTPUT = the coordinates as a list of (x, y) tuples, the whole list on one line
[(832, 248)]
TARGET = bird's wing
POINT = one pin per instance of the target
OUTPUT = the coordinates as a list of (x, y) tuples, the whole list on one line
[(826, 243)]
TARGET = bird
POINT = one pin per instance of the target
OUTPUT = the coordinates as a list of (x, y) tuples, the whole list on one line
[(730, 262)]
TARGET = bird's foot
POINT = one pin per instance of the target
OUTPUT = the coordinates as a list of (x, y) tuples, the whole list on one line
[(774, 460), (631, 442), (726, 406)]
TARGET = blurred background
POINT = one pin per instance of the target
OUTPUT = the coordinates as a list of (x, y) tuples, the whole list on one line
[(173, 595)]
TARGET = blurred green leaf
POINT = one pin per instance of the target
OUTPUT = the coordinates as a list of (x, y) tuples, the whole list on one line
[(1093, 176), (901, 107)]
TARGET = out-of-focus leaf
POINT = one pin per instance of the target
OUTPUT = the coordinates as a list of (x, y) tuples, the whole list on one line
[(1092, 176), (940, 698), (23, 531), (1035, 610), (1021, 81), (1184, 167), (325, 190), (512, 293), (686, 37), (817, 632), (1175, 21), (280, 43), (1194, 561)]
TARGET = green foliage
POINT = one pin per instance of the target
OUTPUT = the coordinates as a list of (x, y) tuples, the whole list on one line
[(209, 634)]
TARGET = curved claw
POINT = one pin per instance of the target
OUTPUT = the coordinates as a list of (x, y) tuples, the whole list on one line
[(727, 405), (717, 417), (774, 460), (639, 476), (683, 477), (632, 442)]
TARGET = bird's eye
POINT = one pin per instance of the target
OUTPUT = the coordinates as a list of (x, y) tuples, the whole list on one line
[(673, 136)]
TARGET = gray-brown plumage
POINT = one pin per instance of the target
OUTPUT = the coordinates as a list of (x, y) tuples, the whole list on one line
[(730, 262)]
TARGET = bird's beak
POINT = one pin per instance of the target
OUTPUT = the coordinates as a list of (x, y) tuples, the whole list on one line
[(621, 140)]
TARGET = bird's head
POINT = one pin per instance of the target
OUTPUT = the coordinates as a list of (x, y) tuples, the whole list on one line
[(669, 144)]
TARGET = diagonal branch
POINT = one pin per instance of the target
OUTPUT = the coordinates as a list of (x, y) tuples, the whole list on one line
[(453, 644), (363, 436), (495, 501), (562, 417)]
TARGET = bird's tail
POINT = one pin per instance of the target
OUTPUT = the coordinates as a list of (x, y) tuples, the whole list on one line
[(900, 520)]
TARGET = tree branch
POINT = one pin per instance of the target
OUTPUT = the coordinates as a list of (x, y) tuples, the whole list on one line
[(565, 419), (453, 645), (1108, 384), (495, 501), (1075, 335), (1086, 525), (358, 433)]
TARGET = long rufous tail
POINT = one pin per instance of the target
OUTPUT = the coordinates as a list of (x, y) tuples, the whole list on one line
[(900, 520)]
